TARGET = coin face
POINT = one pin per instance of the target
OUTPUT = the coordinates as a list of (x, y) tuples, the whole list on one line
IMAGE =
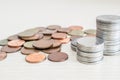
[(56, 43), (53, 27), (27, 51), (35, 58), (29, 44), (8, 49), (43, 44), (65, 41), (16, 43), (47, 37), (52, 50), (58, 57), (3, 42), (90, 31), (13, 37), (49, 32), (35, 37), (76, 33), (59, 35), (74, 37), (75, 27), (3, 55), (64, 30)]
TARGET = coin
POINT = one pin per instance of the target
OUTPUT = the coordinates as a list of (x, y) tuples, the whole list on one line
[(27, 51), (106, 53), (59, 35), (74, 37), (28, 33), (13, 37), (52, 50), (35, 37), (3, 42), (56, 43), (10, 49), (16, 43), (65, 41), (29, 44), (64, 30), (49, 32), (3, 55), (47, 37), (53, 27), (76, 33), (75, 27), (35, 58), (58, 57), (90, 32), (90, 44), (43, 44)]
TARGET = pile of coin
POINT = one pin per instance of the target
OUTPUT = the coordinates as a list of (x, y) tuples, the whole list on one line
[(35, 42), (89, 49), (108, 29)]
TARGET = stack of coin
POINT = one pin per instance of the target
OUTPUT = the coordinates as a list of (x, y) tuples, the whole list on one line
[(90, 50), (108, 29)]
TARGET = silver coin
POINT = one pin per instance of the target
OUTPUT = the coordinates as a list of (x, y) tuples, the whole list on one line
[(74, 48), (113, 48), (111, 53), (89, 60), (110, 43), (74, 42), (108, 22), (86, 54), (90, 44)]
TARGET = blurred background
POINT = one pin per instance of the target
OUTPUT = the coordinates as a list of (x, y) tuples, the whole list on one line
[(17, 15)]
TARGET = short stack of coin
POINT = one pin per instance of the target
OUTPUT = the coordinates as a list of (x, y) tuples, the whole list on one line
[(108, 29), (90, 50)]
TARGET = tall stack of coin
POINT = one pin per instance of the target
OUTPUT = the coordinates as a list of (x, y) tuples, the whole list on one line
[(108, 29), (90, 50)]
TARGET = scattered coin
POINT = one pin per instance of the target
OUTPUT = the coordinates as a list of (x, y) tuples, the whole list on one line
[(8, 49), (35, 37), (76, 33), (75, 27), (74, 37), (29, 44), (3, 42), (27, 51), (49, 32), (43, 44), (58, 57), (13, 37), (90, 32), (35, 58), (3, 55), (59, 35), (56, 43), (52, 50), (64, 30), (65, 41), (53, 27), (47, 37), (16, 43)]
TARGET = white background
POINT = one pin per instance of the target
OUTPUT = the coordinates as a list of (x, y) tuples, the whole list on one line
[(17, 15)]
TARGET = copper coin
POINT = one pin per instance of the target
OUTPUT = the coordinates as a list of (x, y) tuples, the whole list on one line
[(35, 37), (26, 51), (64, 41), (49, 32), (10, 49), (52, 50), (58, 57), (75, 27), (53, 27), (47, 37), (16, 43), (3, 42), (3, 55), (43, 44), (59, 35), (56, 43), (13, 37), (64, 30), (35, 58), (74, 37)]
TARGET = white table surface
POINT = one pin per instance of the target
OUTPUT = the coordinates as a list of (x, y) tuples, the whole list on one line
[(16, 16)]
